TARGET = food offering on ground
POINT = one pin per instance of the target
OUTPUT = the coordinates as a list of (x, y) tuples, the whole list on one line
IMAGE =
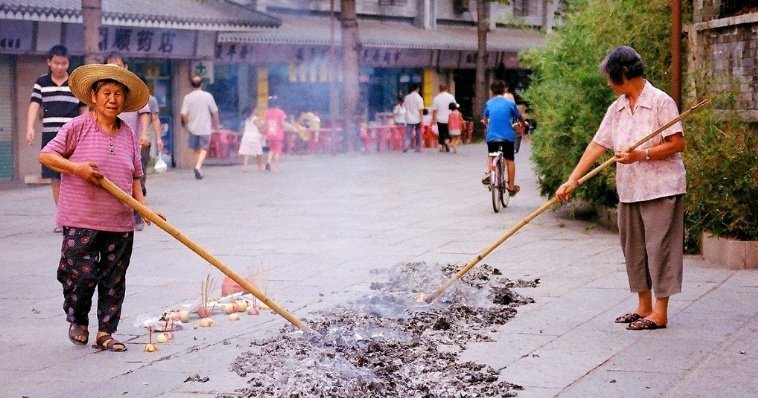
[(205, 290), (150, 347), (240, 305), (184, 316)]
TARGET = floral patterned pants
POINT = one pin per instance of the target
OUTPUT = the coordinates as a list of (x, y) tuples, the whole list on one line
[(94, 259)]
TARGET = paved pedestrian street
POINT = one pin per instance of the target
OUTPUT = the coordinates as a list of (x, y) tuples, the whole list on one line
[(321, 228)]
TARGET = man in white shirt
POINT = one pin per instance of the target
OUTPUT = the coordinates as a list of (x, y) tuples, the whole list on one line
[(199, 116), (440, 115), (414, 107)]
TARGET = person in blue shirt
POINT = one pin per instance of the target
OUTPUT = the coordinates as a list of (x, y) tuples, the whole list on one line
[(499, 112)]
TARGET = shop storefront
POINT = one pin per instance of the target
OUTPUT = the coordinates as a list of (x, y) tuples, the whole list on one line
[(6, 125), (161, 43), (394, 55)]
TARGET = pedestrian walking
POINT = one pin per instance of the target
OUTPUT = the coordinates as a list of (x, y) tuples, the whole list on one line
[(429, 135), (398, 113), (52, 97), (251, 143), (499, 111), (199, 116), (650, 181), (414, 107), (98, 229), (155, 124), (440, 115), (273, 122), (455, 126)]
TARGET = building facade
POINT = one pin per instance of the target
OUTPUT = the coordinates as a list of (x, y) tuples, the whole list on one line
[(163, 43), (401, 42), (724, 33), (249, 50)]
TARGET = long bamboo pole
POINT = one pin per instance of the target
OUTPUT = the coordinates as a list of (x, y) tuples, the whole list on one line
[(164, 225), (552, 202)]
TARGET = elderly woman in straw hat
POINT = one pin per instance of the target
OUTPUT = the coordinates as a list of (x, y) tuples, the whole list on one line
[(98, 229)]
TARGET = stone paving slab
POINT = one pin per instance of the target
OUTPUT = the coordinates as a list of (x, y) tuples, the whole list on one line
[(610, 383), (681, 354), (732, 364), (551, 369), (508, 348)]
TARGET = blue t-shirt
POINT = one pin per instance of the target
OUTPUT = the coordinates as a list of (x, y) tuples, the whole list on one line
[(500, 111)]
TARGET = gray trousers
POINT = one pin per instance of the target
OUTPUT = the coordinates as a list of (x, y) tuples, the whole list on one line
[(652, 239)]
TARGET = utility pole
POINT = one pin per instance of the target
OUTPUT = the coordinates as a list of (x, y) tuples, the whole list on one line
[(676, 52), (92, 19), (480, 89), (332, 76), (350, 49)]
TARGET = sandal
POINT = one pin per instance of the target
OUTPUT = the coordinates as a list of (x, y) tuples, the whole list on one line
[(629, 317), (486, 179), (514, 191), (107, 342), (75, 331), (644, 324)]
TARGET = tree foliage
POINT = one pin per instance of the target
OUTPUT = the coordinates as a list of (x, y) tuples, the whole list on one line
[(569, 98), (721, 160), (567, 93), (722, 178)]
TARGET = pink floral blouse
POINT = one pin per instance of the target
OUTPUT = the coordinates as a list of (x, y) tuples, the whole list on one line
[(620, 128)]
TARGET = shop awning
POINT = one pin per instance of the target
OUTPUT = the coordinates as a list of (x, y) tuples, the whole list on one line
[(211, 15), (314, 30)]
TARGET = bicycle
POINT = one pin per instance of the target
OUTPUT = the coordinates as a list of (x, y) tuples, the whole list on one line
[(499, 182)]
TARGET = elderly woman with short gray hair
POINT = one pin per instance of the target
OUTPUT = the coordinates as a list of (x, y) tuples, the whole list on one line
[(650, 181)]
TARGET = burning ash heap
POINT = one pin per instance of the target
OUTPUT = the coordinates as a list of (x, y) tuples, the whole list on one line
[(387, 344)]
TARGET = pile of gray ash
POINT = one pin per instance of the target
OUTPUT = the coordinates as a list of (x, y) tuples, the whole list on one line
[(388, 345)]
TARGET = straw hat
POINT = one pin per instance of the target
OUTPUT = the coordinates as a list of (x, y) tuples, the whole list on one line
[(82, 78)]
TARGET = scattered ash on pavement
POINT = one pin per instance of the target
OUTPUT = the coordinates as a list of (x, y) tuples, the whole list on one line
[(388, 344)]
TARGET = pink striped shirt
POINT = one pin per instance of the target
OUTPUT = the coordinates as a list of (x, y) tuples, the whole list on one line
[(117, 156)]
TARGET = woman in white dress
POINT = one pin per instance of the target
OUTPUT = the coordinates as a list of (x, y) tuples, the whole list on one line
[(251, 144)]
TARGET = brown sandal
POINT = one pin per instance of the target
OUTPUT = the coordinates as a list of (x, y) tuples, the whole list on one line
[(75, 331), (107, 342), (629, 317), (644, 324)]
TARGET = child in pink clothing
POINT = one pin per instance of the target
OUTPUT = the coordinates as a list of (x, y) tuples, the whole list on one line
[(455, 126), (273, 125)]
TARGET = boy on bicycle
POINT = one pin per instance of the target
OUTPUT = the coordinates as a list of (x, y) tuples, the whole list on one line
[(499, 112)]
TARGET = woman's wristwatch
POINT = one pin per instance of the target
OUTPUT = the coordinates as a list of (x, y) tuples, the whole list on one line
[(647, 153)]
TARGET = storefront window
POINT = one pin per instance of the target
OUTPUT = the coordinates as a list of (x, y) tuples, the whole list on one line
[(225, 90), (299, 90), (6, 118)]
